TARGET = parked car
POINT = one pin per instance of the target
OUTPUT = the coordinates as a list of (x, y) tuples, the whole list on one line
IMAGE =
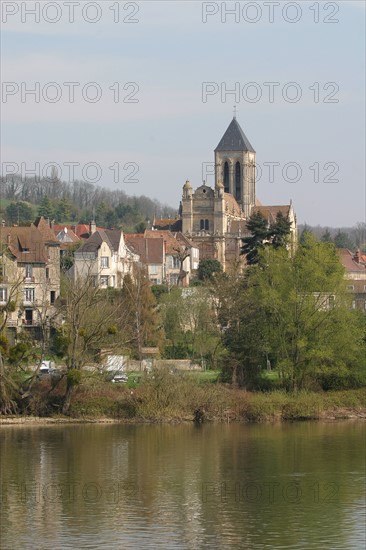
[(47, 370), (120, 378)]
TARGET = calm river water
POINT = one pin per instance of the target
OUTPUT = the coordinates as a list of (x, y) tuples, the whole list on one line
[(288, 486)]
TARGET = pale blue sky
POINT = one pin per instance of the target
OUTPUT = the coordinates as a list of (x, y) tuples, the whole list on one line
[(170, 132)]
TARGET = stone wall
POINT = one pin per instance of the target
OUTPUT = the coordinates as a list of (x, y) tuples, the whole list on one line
[(179, 364)]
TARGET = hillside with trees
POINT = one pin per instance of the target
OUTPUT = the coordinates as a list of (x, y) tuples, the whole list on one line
[(22, 199), (342, 237)]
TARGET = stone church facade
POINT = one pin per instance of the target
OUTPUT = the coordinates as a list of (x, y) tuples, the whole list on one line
[(215, 219)]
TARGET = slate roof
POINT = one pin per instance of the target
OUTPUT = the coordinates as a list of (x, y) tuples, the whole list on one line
[(110, 236), (234, 139), (67, 236)]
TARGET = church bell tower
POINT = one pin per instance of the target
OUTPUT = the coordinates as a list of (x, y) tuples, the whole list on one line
[(235, 166)]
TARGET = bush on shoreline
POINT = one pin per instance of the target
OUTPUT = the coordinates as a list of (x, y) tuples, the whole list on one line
[(166, 397), (163, 396)]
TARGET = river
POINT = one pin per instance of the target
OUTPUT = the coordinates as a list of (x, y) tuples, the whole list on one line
[(224, 486)]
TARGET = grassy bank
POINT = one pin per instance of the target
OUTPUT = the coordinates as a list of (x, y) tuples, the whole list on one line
[(166, 397)]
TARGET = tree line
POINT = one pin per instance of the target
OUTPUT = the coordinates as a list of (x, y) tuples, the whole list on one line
[(343, 237)]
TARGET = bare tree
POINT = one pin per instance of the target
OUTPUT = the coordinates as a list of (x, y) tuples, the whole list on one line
[(8, 389), (92, 319)]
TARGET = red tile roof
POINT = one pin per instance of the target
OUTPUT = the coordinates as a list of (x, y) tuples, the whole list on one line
[(348, 260), (150, 250), (183, 241), (270, 212), (168, 224), (45, 229), (26, 244), (172, 246), (81, 230)]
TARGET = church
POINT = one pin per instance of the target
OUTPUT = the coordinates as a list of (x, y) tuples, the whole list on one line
[(215, 219)]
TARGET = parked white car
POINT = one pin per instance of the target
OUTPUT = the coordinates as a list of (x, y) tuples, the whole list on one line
[(120, 378)]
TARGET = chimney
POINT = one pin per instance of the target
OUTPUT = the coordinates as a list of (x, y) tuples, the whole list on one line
[(356, 257), (92, 227), (8, 239)]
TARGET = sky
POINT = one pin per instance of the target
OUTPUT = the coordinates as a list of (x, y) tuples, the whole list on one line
[(137, 95)]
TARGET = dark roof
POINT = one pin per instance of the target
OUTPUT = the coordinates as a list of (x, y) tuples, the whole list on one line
[(114, 236), (234, 139), (110, 236)]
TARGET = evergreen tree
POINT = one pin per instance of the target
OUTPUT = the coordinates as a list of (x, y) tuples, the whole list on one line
[(252, 244), (305, 233), (19, 213), (342, 240), (63, 210), (46, 208), (326, 237), (280, 231), (207, 268)]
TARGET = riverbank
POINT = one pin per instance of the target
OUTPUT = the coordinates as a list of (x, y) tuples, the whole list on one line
[(182, 401), (342, 415)]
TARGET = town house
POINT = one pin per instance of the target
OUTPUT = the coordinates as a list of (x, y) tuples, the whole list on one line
[(29, 275)]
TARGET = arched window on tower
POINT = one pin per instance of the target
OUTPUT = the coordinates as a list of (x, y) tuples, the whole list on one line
[(204, 225), (238, 181), (226, 177)]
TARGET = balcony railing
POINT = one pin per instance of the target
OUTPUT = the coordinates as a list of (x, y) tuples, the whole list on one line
[(29, 279)]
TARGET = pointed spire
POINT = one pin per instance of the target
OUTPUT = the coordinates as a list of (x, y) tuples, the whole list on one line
[(234, 139)]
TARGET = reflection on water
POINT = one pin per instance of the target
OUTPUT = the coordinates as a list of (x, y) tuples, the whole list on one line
[(289, 486)]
